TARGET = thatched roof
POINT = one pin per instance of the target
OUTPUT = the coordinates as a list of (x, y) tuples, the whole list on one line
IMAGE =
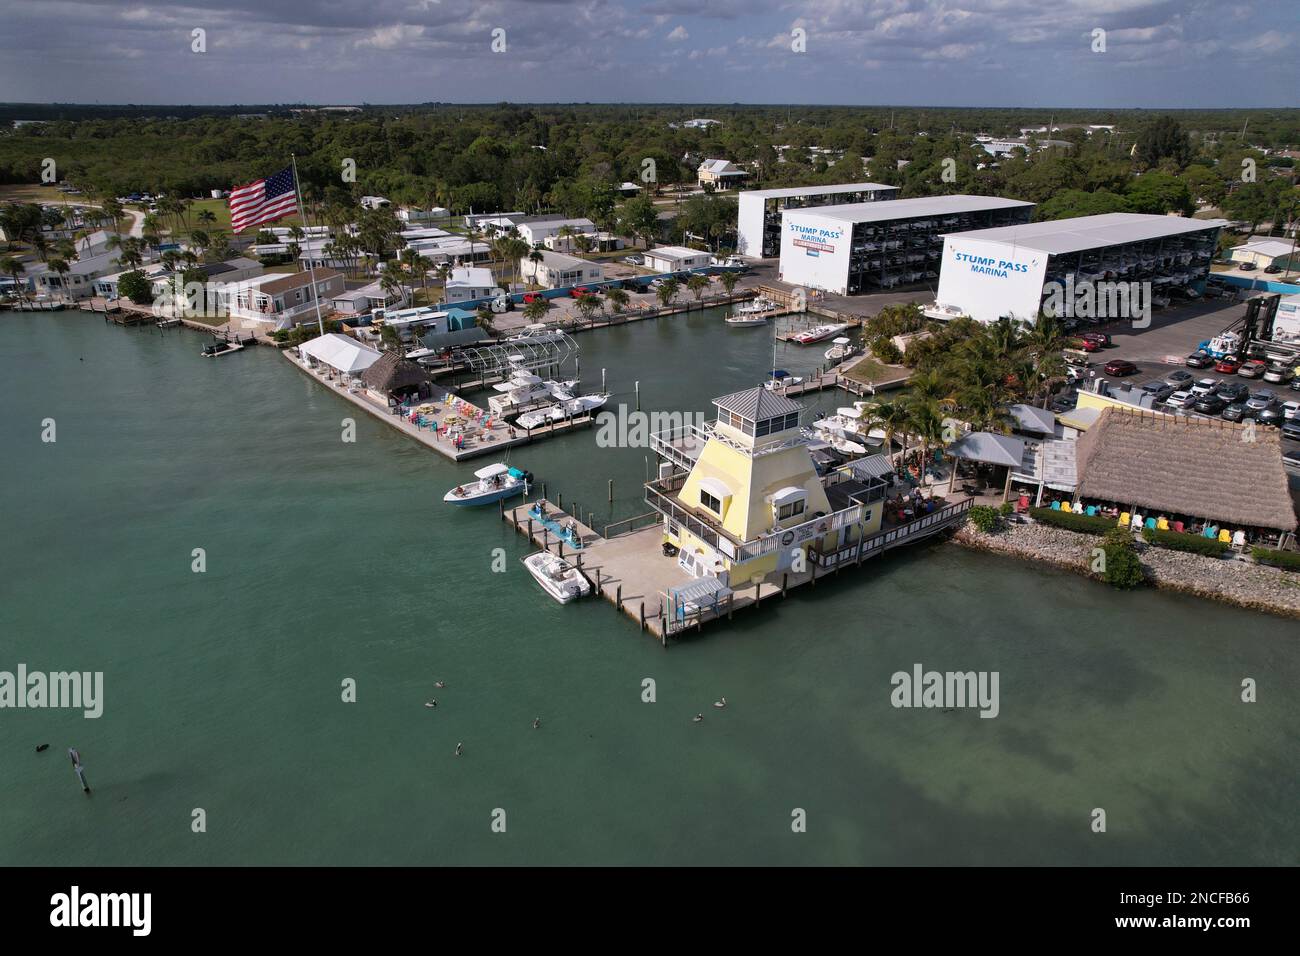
[(1196, 467), (391, 372)]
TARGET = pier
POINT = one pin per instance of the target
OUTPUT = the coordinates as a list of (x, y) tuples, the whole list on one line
[(626, 566), (483, 442)]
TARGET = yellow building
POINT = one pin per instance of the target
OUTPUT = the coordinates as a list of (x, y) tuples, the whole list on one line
[(745, 499)]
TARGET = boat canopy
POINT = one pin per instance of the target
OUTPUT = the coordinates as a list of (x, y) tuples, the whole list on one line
[(841, 340), (491, 471)]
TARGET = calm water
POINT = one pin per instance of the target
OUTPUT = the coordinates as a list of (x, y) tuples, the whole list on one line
[(329, 560)]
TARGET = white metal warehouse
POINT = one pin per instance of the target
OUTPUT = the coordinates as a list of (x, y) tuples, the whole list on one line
[(758, 231), (868, 247), (989, 273)]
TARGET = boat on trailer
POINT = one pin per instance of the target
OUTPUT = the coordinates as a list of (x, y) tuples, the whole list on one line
[(495, 482), (557, 577)]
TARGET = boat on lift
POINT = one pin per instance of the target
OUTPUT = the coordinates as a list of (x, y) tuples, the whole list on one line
[(495, 482), (557, 577), (841, 348), (217, 349), (819, 334), (569, 408), (537, 333), (754, 312)]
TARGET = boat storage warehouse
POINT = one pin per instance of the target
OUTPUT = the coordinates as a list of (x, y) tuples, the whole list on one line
[(867, 247), (758, 231), (990, 273)]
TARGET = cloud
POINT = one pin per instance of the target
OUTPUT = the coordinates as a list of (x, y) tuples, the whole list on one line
[(679, 34)]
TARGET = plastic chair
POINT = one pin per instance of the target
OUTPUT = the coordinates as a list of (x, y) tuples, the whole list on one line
[(1065, 506), (1151, 523), (1056, 506), (1123, 519), (1225, 536), (1210, 531), (1178, 526), (1162, 524), (1092, 511)]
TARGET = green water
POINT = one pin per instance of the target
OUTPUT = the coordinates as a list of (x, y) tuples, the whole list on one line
[(329, 561)]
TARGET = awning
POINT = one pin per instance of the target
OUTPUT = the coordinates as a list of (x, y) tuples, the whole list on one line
[(1080, 418), (1030, 418), (788, 494), (873, 466), (990, 449), (702, 592), (715, 488), (491, 471)]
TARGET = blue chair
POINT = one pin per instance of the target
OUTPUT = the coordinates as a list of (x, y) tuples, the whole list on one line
[(1151, 523), (1092, 511), (1056, 506)]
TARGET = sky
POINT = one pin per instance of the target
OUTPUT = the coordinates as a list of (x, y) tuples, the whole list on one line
[(1152, 53)]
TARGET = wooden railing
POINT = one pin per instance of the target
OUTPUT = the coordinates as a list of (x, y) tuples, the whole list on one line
[(914, 530)]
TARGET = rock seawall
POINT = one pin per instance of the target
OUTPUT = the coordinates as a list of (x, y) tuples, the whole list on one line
[(1242, 583)]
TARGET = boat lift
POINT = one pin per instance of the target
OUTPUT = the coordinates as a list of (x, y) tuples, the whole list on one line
[(488, 363)]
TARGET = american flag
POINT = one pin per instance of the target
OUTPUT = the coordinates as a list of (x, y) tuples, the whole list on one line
[(263, 201)]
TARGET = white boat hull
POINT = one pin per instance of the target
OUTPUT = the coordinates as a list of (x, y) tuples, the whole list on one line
[(558, 578)]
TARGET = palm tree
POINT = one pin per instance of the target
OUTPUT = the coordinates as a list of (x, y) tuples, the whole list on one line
[(13, 267), (926, 422), (61, 268), (667, 292), (40, 244), (587, 304), (113, 212), (392, 285), (893, 418), (619, 298), (535, 257), (206, 217), (473, 235), (697, 284), (729, 280), (536, 310)]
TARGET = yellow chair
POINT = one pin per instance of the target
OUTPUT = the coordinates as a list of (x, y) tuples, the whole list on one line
[(1225, 536), (1162, 524), (1123, 519), (1065, 506)]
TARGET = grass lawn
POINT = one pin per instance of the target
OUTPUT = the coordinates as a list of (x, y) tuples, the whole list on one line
[(870, 370), (219, 209), (213, 320), (34, 192)]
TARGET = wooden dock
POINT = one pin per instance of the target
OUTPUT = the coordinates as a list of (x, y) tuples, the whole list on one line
[(627, 567)]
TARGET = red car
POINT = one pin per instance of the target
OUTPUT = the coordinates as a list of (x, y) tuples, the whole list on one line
[(533, 297), (578, 291), (1090, 345), (1252, 368), (1120, 367), (1101, 338), (1228, 365)]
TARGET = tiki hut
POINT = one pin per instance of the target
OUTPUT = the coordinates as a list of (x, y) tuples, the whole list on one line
[(394, 377), (1201, 468)]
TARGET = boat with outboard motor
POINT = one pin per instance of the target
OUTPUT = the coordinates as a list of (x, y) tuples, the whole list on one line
[(495, 482)]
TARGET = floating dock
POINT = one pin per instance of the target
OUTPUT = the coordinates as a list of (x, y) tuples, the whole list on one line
[(484, 441), (627, 567)]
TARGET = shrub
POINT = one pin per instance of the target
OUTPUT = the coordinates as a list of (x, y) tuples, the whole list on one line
[(1181, 541), (1122, 568), (1287, 560), (886, 351), (136, 287), (1073, 522), (1006, 508), (983, 517)]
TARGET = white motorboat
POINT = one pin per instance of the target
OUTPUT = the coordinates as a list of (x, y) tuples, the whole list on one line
[(525, 388), (755, 306), (494, 483), (568, 408), (535, 334), (220, 348), (781, 379), (841, 348), (820, 333), (736, 320), (557, 577)]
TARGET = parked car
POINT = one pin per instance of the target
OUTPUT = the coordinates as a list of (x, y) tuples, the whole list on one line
[(1179, 399), (1228, 365), (1260, 400), (634, 260), (578, 291), (1291, 430), (1210, 404), (1273, 269), (1277, 374), (1199, 359), (1101, 337), (1232, 392), (1158, 391), (1089, 345), (1247, 267), (1235, 412), (1274, 415), (1252, 368), (1205, 386), (1120, 367), (1290, 410), (1179, 378)]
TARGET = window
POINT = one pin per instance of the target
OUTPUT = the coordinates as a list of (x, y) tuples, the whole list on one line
[(709, 501), (790, 510)]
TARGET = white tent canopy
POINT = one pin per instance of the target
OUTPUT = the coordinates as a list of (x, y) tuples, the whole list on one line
[(340, 353)]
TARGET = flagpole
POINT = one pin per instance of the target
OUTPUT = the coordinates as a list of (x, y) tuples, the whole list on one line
[(311, 264)]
